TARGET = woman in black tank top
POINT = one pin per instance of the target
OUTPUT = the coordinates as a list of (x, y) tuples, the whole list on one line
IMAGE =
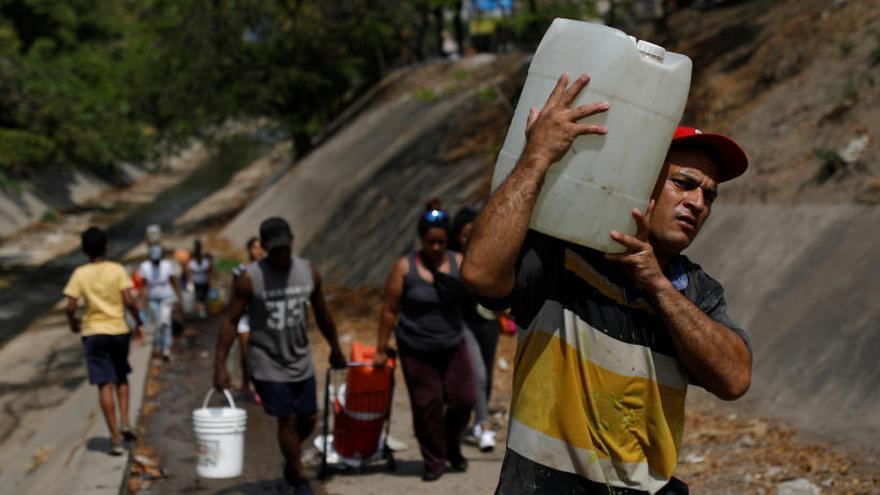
[(428, 329)]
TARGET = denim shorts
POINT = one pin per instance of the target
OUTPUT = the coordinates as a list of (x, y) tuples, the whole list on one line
[(281, 399), (107, 358)]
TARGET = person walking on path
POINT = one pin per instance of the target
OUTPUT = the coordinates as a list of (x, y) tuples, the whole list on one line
[(255, 253), (481, 336), (106, 288), (431, 346), (612, 340), (162, 294), (276, 291), (200, 271)]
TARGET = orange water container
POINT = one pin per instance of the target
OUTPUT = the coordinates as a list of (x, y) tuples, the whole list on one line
[(362, 404)]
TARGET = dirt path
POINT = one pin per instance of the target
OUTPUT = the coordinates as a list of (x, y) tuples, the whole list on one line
[(178, 387), (724, 452)]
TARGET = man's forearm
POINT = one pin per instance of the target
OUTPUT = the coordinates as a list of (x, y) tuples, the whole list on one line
[(135, 313), (73, 321), (489, 267), (713, 353), (225, 338), (328, 329), (499, 231)]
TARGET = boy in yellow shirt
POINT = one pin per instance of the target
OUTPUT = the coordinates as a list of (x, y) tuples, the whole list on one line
[(106, 288)]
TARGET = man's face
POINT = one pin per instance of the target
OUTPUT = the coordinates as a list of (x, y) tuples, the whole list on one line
[(684, 194)]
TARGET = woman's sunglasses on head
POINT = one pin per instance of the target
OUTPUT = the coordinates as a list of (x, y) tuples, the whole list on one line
[(435, 216)]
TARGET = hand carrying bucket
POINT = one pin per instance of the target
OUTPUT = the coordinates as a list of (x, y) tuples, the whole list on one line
[(219, 435)]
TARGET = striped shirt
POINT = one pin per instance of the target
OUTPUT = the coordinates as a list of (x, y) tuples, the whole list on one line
[(599, 390)]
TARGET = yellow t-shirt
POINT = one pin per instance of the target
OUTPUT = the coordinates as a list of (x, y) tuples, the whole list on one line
[(101, 285)]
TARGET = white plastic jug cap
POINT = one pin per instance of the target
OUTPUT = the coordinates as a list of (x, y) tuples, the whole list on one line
[(651, 49)]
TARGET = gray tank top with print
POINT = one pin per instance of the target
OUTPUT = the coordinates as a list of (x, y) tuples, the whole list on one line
[(278, 349)]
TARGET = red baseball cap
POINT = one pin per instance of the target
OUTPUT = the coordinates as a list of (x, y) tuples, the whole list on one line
[(729, 156)]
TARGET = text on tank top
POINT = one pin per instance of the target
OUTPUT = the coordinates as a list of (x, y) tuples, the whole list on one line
[(278, 348)]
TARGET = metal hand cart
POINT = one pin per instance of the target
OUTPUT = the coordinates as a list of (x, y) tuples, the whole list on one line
[(357, 418)]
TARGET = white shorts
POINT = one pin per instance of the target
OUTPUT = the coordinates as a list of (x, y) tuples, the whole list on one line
[(244, 324)]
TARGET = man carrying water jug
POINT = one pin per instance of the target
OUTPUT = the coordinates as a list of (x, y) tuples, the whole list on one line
[(612, 340), (276, 291)]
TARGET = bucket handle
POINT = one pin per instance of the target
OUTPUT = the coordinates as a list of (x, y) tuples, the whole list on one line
[(211, 392)]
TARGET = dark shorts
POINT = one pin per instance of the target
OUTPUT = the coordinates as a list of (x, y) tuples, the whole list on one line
[(107, 358), (282, 399), (201, 292)]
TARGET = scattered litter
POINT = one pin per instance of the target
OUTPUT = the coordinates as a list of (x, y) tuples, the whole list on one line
[(758, 428), (311, 458), (346, 338), (40, 456), (853, 151), (747, 441), (731, 416), (774, 471), (318, 442), (334, 457), (828, 483), (800, 486), (503, 364), (147, 473), (143, 460), (694, 459), (395, 444)]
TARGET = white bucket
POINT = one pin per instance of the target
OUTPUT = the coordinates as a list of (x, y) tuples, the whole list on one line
[(219, 439)]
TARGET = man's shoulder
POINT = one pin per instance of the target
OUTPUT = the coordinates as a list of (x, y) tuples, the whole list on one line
[(692, 269), (701, 286), (304, 264)]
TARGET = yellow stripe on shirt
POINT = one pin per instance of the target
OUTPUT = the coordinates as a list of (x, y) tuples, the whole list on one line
[(625, 419), (580, 267)]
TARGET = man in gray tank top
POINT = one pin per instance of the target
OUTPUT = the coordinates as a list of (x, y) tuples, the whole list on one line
[(276, 291)]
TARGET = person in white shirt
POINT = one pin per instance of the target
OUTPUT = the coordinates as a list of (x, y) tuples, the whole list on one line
[(162, 293), (200, 270)]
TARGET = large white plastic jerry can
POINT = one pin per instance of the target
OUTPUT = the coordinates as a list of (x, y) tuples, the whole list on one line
[(594, 188)]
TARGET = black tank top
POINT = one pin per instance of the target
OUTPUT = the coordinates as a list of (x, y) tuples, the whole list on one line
[(426, 322)]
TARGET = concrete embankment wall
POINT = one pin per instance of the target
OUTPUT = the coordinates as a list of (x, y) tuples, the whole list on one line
[(354, 201), (805, 282), (28, 202)]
